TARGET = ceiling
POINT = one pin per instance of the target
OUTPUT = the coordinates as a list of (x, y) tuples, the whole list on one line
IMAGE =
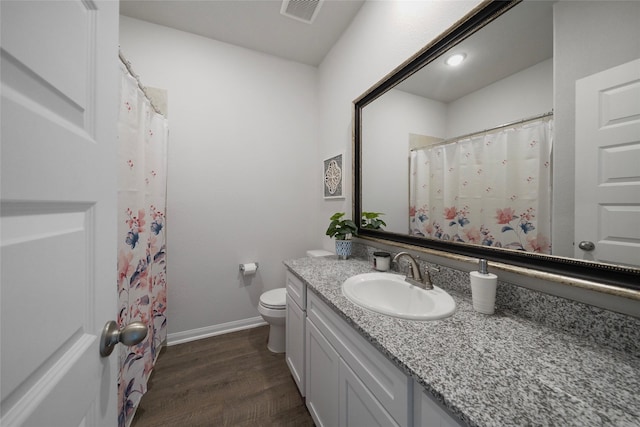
[(259, 25), (253, 24)]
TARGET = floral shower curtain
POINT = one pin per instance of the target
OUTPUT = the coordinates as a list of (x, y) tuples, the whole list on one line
[(142, 288), (492, 189)]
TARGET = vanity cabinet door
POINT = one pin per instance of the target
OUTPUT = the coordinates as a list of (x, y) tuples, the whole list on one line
[(428, 413), (295, 326), (322, 379), (358, 407)]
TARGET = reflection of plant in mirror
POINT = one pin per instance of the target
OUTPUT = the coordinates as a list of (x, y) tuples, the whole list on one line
[(371, 221), (341, 228)]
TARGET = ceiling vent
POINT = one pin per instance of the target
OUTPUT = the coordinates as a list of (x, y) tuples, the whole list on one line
[(301, 10)]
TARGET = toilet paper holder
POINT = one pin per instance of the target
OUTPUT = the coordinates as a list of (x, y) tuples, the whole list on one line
[(243, 266)]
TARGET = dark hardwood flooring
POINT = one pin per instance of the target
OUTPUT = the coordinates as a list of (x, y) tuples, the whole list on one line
[(227, 380)]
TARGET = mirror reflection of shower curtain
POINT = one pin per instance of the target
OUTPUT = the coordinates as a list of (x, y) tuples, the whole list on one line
[(490, 189), (142, 288)]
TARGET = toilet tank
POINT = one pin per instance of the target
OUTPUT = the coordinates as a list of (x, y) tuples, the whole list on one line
[(314, 253)]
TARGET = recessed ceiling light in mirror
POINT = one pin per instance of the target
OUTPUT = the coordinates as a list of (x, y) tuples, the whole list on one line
[(455, 60)]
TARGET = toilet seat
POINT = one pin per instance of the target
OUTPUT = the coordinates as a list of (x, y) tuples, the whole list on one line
[(275, 299)]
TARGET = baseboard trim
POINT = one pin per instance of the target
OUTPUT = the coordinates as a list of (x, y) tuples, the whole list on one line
[(213, 330)]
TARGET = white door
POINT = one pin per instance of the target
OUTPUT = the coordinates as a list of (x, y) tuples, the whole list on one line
[(59, 89), (608, 165)]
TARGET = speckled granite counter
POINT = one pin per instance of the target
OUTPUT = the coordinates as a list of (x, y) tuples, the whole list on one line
[(495, 370)]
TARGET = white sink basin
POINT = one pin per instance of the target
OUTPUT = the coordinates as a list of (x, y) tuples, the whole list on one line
[(389, 294)]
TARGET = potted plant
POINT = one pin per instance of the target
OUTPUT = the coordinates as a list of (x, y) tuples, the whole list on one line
[(371, 221), (342, 230)]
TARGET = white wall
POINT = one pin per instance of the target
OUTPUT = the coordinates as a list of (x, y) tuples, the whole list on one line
[(242, 170), (382, 36)]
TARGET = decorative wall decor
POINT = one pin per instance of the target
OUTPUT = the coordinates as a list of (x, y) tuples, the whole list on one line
[(333, 177)]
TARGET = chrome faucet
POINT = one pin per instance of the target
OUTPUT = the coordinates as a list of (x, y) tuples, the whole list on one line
[(414, 276)]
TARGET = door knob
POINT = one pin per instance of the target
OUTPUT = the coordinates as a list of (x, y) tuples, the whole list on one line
[(586, 245), (131, 334)]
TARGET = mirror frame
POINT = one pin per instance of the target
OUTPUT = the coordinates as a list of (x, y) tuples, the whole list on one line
[(609, 274)]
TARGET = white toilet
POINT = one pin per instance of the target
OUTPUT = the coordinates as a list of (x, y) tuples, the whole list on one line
[(273, 309)]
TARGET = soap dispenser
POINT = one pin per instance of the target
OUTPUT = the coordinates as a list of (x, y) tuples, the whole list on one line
[(483, 289)]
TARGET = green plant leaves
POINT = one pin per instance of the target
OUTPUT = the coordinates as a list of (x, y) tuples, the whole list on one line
[(341, 228), (371, 221)]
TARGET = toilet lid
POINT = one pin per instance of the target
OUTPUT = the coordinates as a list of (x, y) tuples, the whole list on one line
[(275, 298)]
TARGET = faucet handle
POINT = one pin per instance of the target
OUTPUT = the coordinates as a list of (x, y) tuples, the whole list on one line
[(431, 268), (426, 277), (428, 269)]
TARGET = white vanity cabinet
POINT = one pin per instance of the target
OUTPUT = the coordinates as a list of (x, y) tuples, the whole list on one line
[(345, 380), (295, 329), (348, 381)]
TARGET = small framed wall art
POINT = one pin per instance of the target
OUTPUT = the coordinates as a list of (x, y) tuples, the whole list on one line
[(333, 177)]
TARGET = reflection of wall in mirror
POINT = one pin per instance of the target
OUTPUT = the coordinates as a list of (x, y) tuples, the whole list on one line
[(390, 119), (387, 123), (524, 94)]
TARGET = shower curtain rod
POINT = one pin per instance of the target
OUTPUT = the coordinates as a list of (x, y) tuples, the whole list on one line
[(505, 125), (127, 65)]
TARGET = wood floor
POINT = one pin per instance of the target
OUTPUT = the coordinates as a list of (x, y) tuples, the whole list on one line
[(228, 380)]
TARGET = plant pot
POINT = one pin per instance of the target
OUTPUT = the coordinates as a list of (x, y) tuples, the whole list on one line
[(343, 248)]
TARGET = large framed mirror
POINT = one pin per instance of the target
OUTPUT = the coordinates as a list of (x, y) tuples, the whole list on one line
[(527, 153)]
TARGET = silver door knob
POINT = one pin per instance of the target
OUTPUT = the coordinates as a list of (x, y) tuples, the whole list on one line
[(586, 245), (131, 334)]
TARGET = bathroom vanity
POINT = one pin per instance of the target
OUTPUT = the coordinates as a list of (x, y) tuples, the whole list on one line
[(364, 368)]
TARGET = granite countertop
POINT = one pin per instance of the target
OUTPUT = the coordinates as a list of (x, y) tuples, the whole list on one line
[(493, 370)]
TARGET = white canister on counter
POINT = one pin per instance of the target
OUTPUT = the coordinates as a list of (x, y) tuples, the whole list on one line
[(381, 261)]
